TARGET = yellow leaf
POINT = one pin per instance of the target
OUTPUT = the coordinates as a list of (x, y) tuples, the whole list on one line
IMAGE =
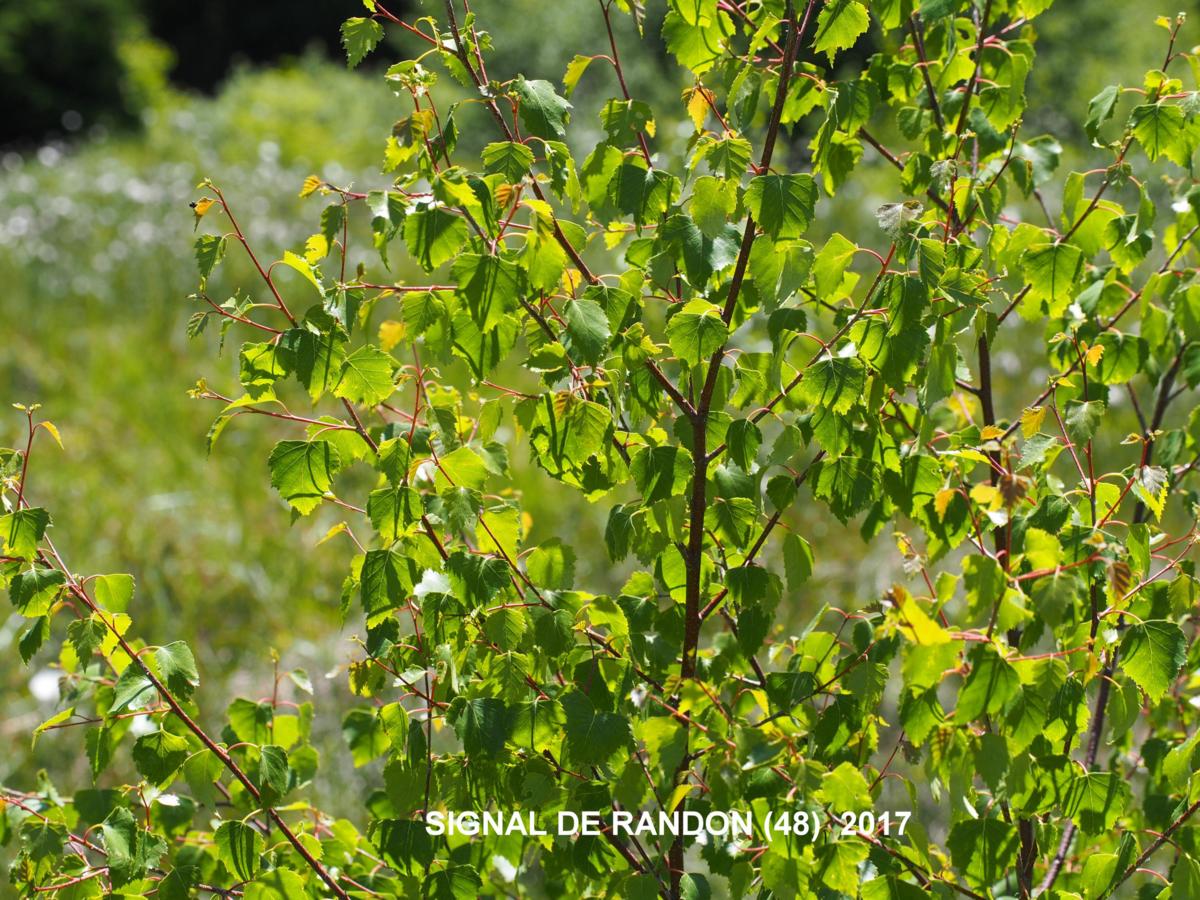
[(339, 528), (678, 794), (504, 195), (316, 248), (915, 624), (53, 429), (697, 106), (1094, 354), (540, 208), (1031, 420), (941, 500), (984, 494), (391, 333), (991, 432), (613, 235), (571, 280), (303, 266), (311, 183)]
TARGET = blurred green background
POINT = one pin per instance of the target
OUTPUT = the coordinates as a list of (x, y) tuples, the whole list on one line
[(115, 109)]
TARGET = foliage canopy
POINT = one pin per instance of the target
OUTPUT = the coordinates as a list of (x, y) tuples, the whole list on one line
[(687, 343)]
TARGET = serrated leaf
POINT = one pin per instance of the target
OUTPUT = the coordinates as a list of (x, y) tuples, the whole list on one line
[(835, 384), (509, 159), (159, 754), (177, 667), (543, 113), (839, 26), (302, 472), (697, 331), (1152, 653), (22, 530), (592, 735), (587, 331), (130, 851), (782, 205), (239, 847), (366, 377), (482, 725), (359, 37)]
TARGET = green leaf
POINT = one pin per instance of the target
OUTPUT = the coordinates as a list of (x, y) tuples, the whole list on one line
[(698, 44), (829, 267), (1083, 418), (835, 384), (839, 26), (209, 249), (133, 691), (509, 159), (1152, 653), (1122, 358), (490, 287), (845, 788), (983, 849), (33, 592), (537, 724), (359, 37), (1159, 128), (1100, 109), (575, 69), (274, 774), (366, 377), (33, 637), (302, 472), (21, 531), (587, 331), (481, 724), (848, 484), (365, 734), (991, 683), (304, 267), (544, 114), (420, 311), (1095, 800), (434, 236), (700, 255), (177, 668), (592, 735), (713, 202), (404, 843), (316, 358), (744, 438), (460, 508), (465, 468), (551, 565), (277, 884), (660, 472), (782, 205), (159, 754), (384, 582), (86, 635), (239, 847), (129, 850), (697, 331), (113, 592), (1052, 271), (1150, 484)]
